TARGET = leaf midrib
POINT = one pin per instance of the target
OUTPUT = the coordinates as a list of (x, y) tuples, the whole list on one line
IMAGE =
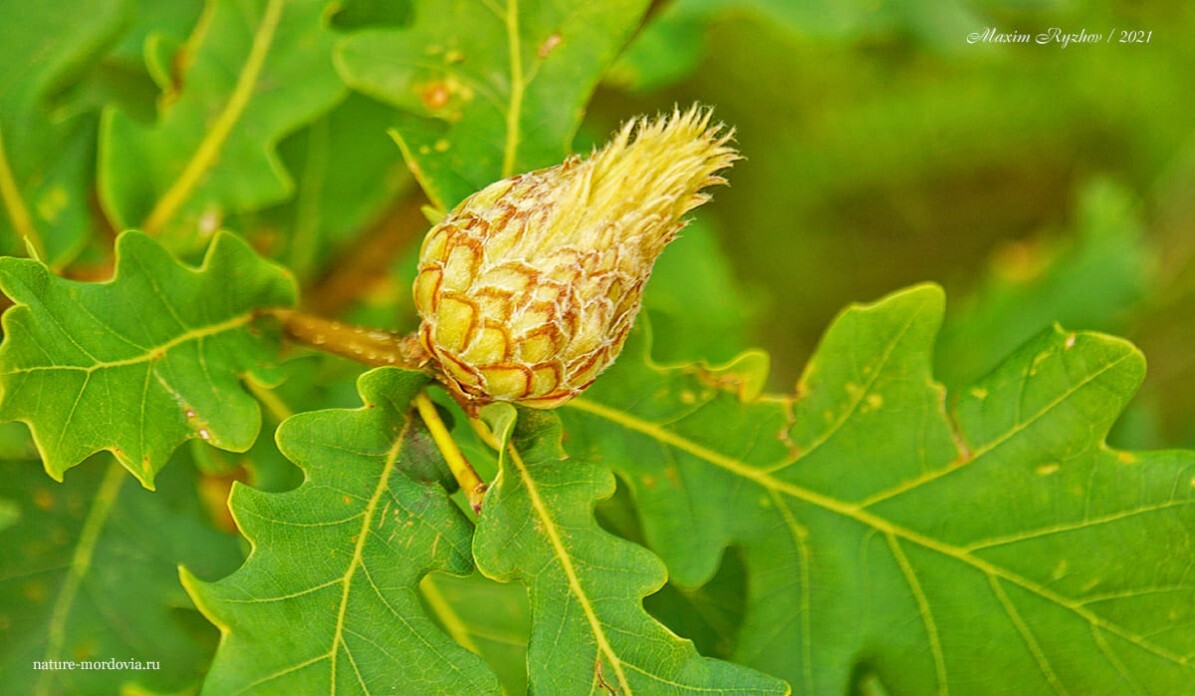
[(155, 353), (209, 148), (862, 516), (359, 549), (542, 510)]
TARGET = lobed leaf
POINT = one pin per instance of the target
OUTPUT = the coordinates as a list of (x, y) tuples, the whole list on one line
[(488, 88), (254, 71), (79, 556), (347, 172), (328, 600), (1090, 282), (141, 363), (489, 618), (46, 157), (589, 630), (996, 547)]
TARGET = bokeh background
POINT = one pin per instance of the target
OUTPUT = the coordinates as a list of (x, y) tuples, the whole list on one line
[(1036, 183)]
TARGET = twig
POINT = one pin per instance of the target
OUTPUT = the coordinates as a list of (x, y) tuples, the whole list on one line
[(368, 346)]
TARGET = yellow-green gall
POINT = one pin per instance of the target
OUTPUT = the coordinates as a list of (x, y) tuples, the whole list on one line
[(528, 288)]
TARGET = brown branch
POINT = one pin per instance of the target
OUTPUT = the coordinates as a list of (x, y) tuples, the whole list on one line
[(364, 264), (367, 346)]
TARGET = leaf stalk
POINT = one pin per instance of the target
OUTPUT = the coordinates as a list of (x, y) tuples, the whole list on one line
[(462, 471)]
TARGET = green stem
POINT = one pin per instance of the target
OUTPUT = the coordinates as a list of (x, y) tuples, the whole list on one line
[(461, 469), (22, 222), (89, 536), (273, 403)]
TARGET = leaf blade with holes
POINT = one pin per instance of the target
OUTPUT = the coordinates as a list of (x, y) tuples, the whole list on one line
[(337, 562), (538, 527), (141, 363), (960, 565)]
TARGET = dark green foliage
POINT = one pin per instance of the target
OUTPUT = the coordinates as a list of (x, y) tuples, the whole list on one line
[(934, 507)]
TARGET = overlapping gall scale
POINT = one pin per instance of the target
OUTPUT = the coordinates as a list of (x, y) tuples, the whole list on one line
[(528, 288)]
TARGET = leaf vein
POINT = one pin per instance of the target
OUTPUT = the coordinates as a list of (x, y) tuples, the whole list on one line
[(1039, 656), (208, 151), (800, 534), (992, 445), (566, 563), (357, 559), (279, 598), (1106, 650), (154, 353), (1074, 526), (927, 615), (857, 513)]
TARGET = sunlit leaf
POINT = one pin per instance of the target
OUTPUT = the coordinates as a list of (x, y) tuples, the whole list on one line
[(1000, 547), (143, 362), (589, 630), (328, 600)]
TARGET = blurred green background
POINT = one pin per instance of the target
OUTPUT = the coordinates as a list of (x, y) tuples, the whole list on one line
[(1036, 183)]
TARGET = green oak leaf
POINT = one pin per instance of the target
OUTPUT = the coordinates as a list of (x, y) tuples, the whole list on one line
[(328, 600), (1090, 282), (491, 619), (589, 630), (719, 330), (347, 172), (140, 66), (140, 363), (152, 23), (46, 157), (711, 615), (488, 88), (996, 547), (88, 571), (255, 71)]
